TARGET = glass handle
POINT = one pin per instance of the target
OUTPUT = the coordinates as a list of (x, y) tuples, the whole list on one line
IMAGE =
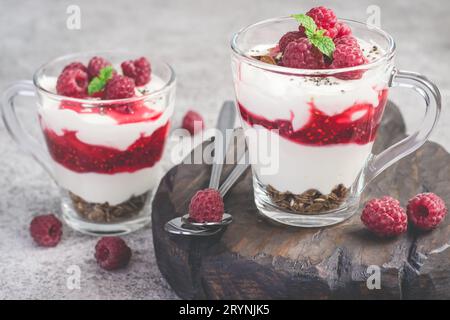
[(25, 140), (430, 93)]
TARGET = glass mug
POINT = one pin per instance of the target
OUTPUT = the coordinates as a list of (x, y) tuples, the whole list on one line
[(105, 155), (324, 125)]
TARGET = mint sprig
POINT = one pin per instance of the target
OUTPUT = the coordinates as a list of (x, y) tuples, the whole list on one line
[(316, 36), (324, 44), (98, 83), (306, 22)]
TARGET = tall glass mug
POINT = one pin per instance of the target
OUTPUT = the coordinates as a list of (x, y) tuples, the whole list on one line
[(103, 154), (320, 125)]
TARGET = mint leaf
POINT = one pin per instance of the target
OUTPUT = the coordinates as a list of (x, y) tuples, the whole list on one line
[(309, 34), (324, 44), (95, 85), (316, 36), (98, 83), (306, 22), (320, 33), (106, 73)]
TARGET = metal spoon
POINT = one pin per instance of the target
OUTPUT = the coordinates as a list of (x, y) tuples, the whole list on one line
[(226, 219), (225, 121), (176, 226), (227, 184), (182, 226)]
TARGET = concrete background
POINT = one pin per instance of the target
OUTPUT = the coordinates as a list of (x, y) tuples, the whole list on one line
[(194, 37)]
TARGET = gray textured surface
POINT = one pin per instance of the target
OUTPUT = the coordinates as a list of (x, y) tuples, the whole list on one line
[(193, 36)]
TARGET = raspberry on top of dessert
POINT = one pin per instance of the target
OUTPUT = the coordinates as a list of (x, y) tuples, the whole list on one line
[(100, 80), (321, 42)]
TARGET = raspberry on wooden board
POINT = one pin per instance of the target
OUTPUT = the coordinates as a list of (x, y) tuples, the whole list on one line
[(206, 206), (384, 217), (426, 210)]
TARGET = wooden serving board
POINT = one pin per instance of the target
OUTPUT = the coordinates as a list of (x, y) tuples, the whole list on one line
[(253, 259)]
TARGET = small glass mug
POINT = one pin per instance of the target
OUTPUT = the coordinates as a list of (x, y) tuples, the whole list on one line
[(321, 125), (105, 155)]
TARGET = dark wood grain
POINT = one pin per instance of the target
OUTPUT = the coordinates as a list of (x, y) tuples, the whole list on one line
[(253, 259)]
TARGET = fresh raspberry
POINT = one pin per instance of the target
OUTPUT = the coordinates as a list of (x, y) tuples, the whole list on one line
[(138, 69), (75, 65), (206, 206), (342, 29), (119, 87), (46, 230), (426, 210), (385, 217), (346, 40), (323, 17), (95, 65), (112, 253), (331, 32), (193, 122), (289, 37), (348, 55), (302, 54), (72, 83)]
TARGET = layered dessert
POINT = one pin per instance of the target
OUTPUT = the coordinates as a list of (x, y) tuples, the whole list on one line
[(106, 148), (325, 124)]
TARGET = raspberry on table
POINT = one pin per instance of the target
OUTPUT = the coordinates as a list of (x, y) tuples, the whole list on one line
[(302, 54), (139, 70), (426, 210), (95, 65), (384, 217), (206, 206), (193, 122), (289, 37), (119, 87), (46, 230), (72, 82), (112, 253), (348, 55), (75, 65)]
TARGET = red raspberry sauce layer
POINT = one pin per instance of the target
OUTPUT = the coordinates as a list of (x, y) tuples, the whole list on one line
[(75, 155), (322, 129), (78, 156)]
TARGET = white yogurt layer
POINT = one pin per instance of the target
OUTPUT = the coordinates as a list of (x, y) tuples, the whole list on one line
[(279, 96), (111, 188), (297, 168), (103, 130)]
